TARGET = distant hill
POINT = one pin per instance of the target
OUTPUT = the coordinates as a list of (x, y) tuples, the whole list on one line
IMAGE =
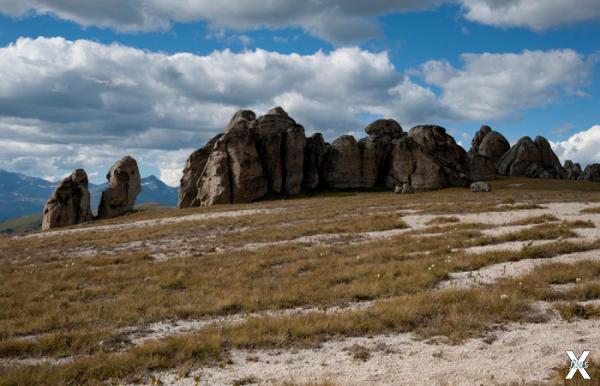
[(21, 195)]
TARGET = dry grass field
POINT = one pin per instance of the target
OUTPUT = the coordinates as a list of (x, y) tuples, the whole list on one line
[(445, 287)]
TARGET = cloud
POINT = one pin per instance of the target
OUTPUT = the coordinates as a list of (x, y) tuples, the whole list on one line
[(338, 21), (67, 104), (534, 14), (494, 85), (582, 147)]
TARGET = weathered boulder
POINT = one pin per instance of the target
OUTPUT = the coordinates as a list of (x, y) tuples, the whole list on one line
[(233, 172), (573, 170), (124, 184), (214, 184), (481, 187), (478, 138), (188, 191), (534, 159), (428, 158), (486, 148), (493, 146), (248, 180), (69, 204), (591, 173), (314, 152)]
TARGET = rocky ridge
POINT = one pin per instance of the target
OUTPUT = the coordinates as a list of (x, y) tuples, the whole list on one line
[(270, 155)]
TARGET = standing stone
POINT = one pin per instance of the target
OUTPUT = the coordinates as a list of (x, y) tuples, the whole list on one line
[(124, 184), (69, 204), (188, 191)]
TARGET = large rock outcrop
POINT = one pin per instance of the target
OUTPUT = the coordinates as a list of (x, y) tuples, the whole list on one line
[(534, 159), (270, 155), (428, 158), (124, 184), (69, 204)]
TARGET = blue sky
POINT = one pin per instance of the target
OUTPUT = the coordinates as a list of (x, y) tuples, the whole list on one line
[(85, 84)]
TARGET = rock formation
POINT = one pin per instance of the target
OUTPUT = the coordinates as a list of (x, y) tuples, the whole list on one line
[(591, 173), (270, 155), (123, 187), (196, 162), (428, 158), (360, 165), (573, 170), (534, 159), (69, 204), (486, 149)]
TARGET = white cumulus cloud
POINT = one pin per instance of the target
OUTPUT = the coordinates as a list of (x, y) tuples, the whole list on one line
[(494, 85), (534, 14), (582, 147)]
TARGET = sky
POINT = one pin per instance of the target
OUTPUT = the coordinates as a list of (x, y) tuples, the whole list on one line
[(83, 83)]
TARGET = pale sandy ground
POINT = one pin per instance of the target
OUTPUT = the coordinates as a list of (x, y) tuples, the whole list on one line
[(517, 352), (522, 353)]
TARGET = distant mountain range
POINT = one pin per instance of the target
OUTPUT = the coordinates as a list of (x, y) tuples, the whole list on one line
[(22, 195)]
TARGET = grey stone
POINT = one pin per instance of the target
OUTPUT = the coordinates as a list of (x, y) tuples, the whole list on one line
[(69, 204)]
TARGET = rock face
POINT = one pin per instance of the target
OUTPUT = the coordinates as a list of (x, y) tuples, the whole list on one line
[(428, 158), (69, 204), (314, 152), (486, 148), (280, 141), (573, 170), (481, 187), (124, 184), (591, 173), (534, 159), (350, 164), (188, 192), (493, 146)]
